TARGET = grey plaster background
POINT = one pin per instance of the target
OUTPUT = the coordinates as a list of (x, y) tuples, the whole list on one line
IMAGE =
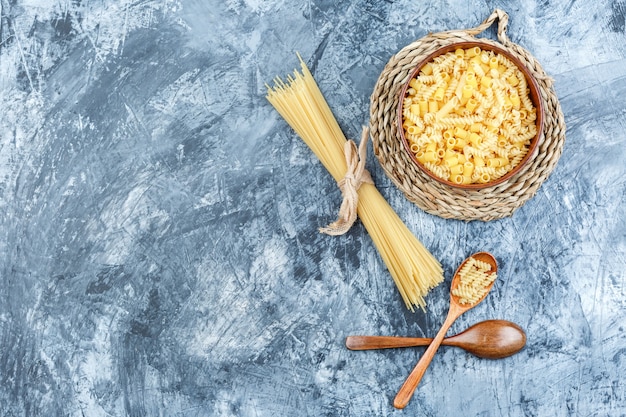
[(159, 252)]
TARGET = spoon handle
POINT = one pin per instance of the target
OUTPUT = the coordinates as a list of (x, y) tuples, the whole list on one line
[(408, 388), (384, 342)]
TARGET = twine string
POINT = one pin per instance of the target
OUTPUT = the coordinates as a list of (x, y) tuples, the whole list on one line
[(503, 21), (356, 174)]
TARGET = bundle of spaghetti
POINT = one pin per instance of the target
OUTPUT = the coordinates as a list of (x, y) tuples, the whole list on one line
[(413, 268)]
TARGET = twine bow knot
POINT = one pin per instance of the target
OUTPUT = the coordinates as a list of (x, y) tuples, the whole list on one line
[(356, 174)]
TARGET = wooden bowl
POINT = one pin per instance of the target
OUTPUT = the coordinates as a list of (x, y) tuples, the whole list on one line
[(535, 97)]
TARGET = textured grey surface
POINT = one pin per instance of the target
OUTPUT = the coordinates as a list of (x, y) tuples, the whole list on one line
[(159, 252)]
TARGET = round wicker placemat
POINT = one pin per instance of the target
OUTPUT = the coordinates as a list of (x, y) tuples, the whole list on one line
[(448, 202)]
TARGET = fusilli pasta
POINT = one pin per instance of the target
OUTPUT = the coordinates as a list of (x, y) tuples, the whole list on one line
[(473, 102)]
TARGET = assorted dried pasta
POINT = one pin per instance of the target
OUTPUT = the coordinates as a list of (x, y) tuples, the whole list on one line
[(475, 276), (468, 117)]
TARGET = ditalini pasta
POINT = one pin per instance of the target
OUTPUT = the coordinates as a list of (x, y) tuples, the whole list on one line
[(475, 277), (413, 268), (468, 109)]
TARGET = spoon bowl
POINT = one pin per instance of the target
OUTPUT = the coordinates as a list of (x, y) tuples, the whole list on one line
[(457, 307), (489, 339)]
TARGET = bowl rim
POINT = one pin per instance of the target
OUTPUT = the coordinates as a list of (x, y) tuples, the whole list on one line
[(535, 96)]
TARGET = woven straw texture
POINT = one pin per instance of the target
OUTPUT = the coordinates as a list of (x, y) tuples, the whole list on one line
[(449, 202)]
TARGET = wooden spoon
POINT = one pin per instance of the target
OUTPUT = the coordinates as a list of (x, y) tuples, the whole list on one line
[(456, 309), (490, 339)]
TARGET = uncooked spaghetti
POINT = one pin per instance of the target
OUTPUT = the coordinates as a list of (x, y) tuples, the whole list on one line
[(413, 268)]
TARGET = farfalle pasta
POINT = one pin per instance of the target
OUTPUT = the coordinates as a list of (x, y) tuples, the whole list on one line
[(468, 117)]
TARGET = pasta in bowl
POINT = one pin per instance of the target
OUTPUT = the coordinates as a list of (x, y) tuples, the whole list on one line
[(470, 115)]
